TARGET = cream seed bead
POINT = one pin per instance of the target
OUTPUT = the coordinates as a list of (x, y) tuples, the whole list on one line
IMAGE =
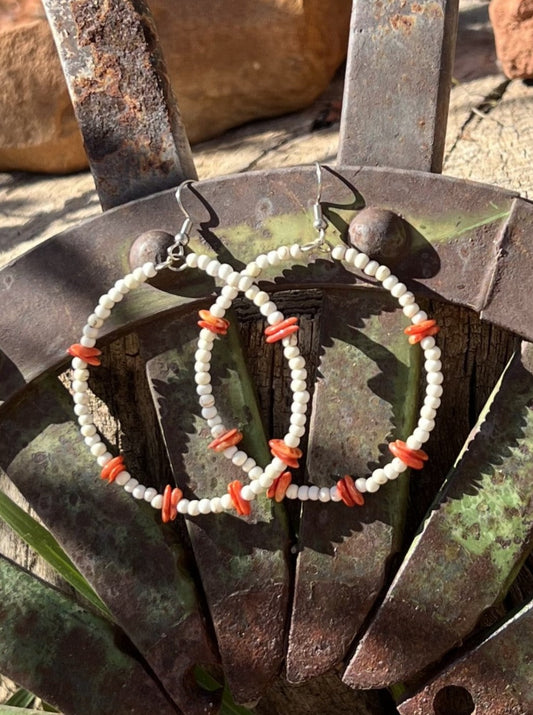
[(296, 363), (434, 390), (86, 419), (324, 494), (80, 374), (256, 487), (201, 366), (278, 465), (334, 494), (432, 402), (202, 355), (262, 261), (338, 252), (157, 501), (302, 397), (139, 275), (92, 440), (275, 318), (209, 412), (233, 279), (130, 282), (248, 464), (216, 505), (361, 261), (421, 435), (149, 494), (89, 331), (80, 398), (192, 508), (78, 364), (298, 419), (203, 261), (291, 440), (427, 413), (372, 485), (425, 424), (123, 478), (121, 286), (283, 252), (224, 272), (299, 374), (413, 443), (191, 259), (214, 421), (255, 472), (435, 378), (248, 493), (206, 400), (303, 493), (239, 458), (252, 292), (81, 409), (292, 491), (204, 389), (379, 476), (295, 250), (103, 459), (261, 298), (183, 505), (410, 310), (406, 299), (229, 292), (230, 451), (106, 301), (350, 255), (149, 269), (291, 352), (298, 385), (212, 268), (299, 407), (80, 385), (371, 268), (297, 430), (390, 472), (130, 485), (267, 308), (398, 290), (398, 465), (98, 449), (202, 378), (94, 321), (360, 485), (432, 354), (88, 430), (102, 312), (252, 269), (390, 282), (265, 480), (419, 317), (138, 492), (273, 258), (204, 506), (313, 493), (217, 310), (245, 283), (427, 343), (433, 365), (87, 342), (217, 430), (115, 295), (382, 273)]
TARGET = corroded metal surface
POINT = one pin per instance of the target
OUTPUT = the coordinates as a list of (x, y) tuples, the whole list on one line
[(398, 83), (116, 543), (455, 228), (343, 552), (41, 628), (474, 540), (132, 131), (241, 561), (496, 675)]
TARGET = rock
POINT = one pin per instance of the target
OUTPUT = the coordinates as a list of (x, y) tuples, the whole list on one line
[(229, 61), (512, 21)]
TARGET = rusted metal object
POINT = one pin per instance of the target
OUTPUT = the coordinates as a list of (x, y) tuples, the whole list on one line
[(115, 542), (241, 561), (131, 127), (454, 252), (40, 627), (496, 675), (398, 81), (474, 540), (381, 234), (344, 552)]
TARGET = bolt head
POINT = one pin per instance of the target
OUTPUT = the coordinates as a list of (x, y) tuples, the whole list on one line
[(381, 234)]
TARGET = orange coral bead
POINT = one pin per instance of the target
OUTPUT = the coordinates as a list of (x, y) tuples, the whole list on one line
[(112, 469), (344, 494), (171, 498), (88, 355), (353, 491), (413, 339), (289, 455), (242, 506), (212, 323), (421, 330), (414, 458), (281, 330), (227, 439), (279, 487)]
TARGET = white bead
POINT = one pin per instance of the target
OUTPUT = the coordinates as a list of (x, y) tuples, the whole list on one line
[(138, 274), (216, 505), (267, 308), (382, 273), (296, 363), (183, 506), (338, 252), (261, 298), (334, 493), (98, 449), (361, 260), (426, 424), (116, 295), (87, 342), (239, 458), (252, 269), (262, 261), (206, 400), (122, 478), (390, 282), (93, 439), (298, 385), (192, 508), (299, 408), (295, 250), (80, 398), (214, 421), (191, 259), (229, 292), (298, 419), (203, 261), (303, 493), (88, 430), (217, 310), (209, 412), (103, 459), (245, 282), (371, 485), (432, 354), (256, 487), (351, 254), (202, 378), (427, 412), (275, 318), (202, 355), (390, 472), (80, 374), (230, 451), (148, 269), (410, 310), (78, 364), (248, 493), (291, 352), (89, 331), (398, 290), (233, 279), (407, 298), (427, 343), (106, 301), (371, 268), (212, 268), (293, 440), (217, 430), (324, 494), (138, 492), (248, 464), (292, 491), (435, 378), (302, 397), (204, 506), (398, 465), (201, 367), (297, 430), (379, 476), (157, 501), (102, 312), (130, 282), (360, 485), (432, 402), (94, 321), (252, 292), (413, 443), (149, 494), (434, 390), (255, 472), (283, 253), (266, 480), (421, 435), (299, 374), (313, 493), (81, 409), (419, 317), (80, 386), (204, 389), (273, 258), (433, 365)]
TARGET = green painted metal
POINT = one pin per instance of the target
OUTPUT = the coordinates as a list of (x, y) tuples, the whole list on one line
[(475, 538), (242, 561), (67, 655), (117, 544), (364, 397)]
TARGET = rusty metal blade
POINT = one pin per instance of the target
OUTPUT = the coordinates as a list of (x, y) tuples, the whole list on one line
[(474, 540), (131, 127), (115, 542), (242, 562), (364, 397), (398, 81), (455, 228), (496, 677), (68, 656)]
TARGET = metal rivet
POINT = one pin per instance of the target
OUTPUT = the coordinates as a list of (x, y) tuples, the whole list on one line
[(381, 234)]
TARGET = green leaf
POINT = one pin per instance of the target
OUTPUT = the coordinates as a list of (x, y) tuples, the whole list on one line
[(46, 546), (22, 698), (8, 710), (228, 707)]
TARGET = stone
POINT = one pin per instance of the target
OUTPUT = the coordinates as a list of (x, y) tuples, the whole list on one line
[(230, 62), (512, 21)]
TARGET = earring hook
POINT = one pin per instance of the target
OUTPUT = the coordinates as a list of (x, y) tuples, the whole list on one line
[(176, 251), (178, 196)]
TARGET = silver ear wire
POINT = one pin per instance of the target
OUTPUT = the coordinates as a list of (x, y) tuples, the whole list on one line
[(319, 221), (185, 229)]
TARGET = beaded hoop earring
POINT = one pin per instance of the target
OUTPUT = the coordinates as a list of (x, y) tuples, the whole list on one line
[(274, 479)]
